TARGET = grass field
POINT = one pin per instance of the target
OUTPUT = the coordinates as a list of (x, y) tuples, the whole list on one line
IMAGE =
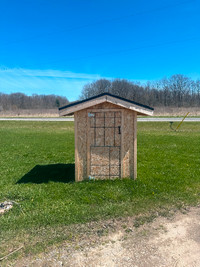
[(37, 172)]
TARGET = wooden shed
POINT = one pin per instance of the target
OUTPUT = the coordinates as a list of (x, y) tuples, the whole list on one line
[(105, 136)]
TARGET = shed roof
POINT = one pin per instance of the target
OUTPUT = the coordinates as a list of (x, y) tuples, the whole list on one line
[(102, 98)]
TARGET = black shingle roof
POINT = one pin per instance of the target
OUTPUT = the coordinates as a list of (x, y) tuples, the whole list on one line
[(104, 94)]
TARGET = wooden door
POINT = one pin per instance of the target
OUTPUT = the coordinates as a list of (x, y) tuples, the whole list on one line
[(104, 144)]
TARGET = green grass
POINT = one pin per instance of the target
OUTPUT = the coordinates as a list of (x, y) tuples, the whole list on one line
[(37, 171)]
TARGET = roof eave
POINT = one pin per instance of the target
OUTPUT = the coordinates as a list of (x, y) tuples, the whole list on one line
[(80, 106), (134, 107), (110, 99)]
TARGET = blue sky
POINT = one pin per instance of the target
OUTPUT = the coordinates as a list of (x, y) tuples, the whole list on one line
[(57, 46)]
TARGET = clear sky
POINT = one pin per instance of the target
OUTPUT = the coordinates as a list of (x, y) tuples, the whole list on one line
[(57, 46)]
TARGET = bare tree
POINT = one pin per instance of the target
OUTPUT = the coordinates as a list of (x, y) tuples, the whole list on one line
[(177, 90), (95, 88), (179, 86)]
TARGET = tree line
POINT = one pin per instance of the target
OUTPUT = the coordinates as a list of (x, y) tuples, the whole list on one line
[(175, 91), (21, 101)]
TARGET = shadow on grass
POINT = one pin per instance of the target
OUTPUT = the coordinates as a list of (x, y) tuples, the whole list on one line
[(64, 173)]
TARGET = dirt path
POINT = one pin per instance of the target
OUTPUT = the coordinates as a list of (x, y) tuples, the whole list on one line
[(173, 242)]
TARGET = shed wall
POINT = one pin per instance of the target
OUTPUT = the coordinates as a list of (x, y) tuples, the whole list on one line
[(129, 144), (80, 145)]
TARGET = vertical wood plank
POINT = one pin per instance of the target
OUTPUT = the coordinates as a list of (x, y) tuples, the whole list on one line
[(122, 143), (76, 146), (88, 144), (82, 144), (135, 145)]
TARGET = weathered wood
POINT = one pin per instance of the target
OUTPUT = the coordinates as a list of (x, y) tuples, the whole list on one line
[(135, 145), (122, 145), (111, 108), (127, 142), (76, 145), (81, 141), (88, 143)]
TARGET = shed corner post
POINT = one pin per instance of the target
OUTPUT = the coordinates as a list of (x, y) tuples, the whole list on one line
[(76, 147), (135, 145)]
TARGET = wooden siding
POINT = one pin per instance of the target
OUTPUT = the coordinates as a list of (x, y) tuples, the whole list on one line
[(81, 145)]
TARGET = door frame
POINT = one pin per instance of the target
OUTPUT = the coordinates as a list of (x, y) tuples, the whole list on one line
[(88, 139)]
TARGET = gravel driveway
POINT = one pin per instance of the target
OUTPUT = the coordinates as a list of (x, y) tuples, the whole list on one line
[(167, 242)]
